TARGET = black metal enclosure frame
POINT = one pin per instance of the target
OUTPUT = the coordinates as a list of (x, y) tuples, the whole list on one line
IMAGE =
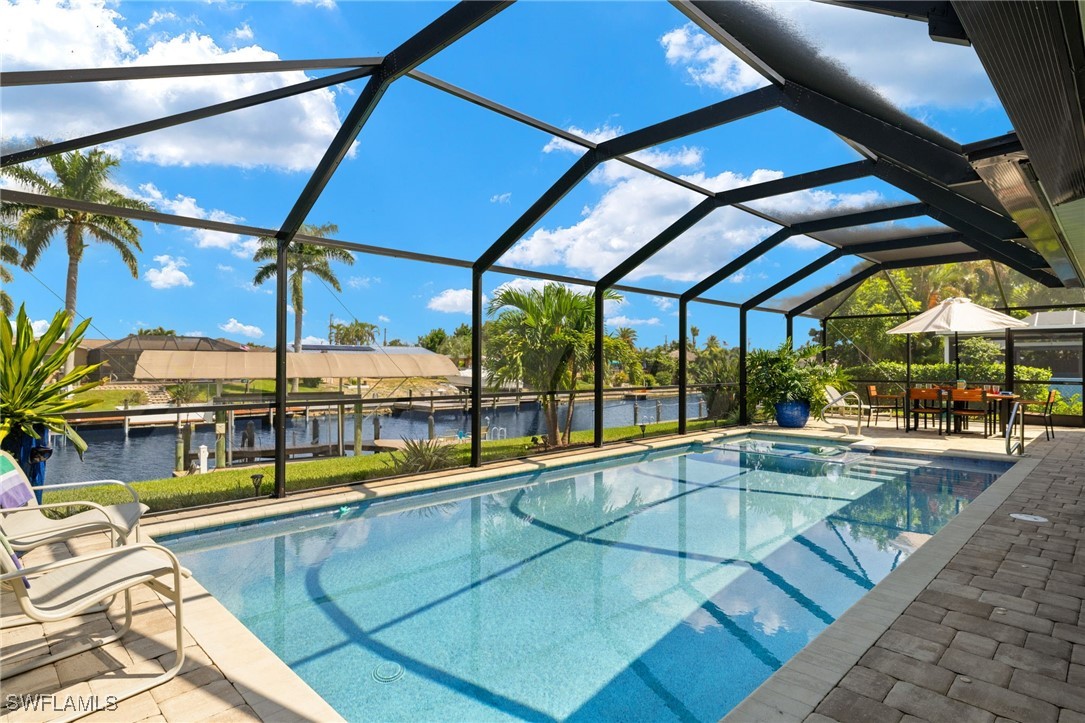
[(894, 147)]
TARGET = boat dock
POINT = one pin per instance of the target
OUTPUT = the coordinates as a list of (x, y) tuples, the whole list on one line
[(255, 454)]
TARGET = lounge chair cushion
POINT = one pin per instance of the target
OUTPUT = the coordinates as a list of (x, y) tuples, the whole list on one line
[(31, 529)]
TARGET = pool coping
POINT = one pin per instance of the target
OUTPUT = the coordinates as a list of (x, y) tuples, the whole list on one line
[(227, 514), (795, 690)]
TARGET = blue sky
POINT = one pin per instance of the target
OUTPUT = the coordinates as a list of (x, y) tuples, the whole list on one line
[(435, 174)]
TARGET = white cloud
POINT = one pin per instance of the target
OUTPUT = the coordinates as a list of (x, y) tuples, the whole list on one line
[(622, 320), (169, 274), (225, 268), (197, 332), (243, 32), (156, 18), (636, 207), (501, 197), (233, 326), (313, 340), (362, 282), (602, 133), (39, 327), (452, 301), (632, 211), (663, 303), (383, 319), (181, 205), (707, 62), (895, 57), (326, 4), (291, 134), (268, 288)]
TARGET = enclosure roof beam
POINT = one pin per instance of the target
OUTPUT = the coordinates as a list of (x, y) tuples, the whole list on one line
[(987, 230), (711, 116), (871, 247), (886, 140), (861, 218), (35, 199), (177, 119), (696, 121), (145, 72), (869, 271), (752, 192), (453, 24), (737, 264), (537, 124), (788, 281)]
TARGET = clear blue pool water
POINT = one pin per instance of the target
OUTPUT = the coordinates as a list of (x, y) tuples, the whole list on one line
[(664, 586)]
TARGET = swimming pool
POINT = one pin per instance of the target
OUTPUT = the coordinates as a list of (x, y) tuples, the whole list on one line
[(661, 586)]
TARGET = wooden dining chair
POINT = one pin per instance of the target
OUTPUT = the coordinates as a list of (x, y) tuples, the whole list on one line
[(926, 403), (961, 411), (1049, 424), (879, 403)]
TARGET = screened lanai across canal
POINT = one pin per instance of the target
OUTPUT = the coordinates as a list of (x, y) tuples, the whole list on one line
[(906, 195)]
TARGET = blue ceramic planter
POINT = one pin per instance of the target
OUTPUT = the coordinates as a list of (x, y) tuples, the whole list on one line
[(792, 415)]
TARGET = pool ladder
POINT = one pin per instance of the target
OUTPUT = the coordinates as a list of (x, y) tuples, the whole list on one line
[(1016, 416), (836, 403)]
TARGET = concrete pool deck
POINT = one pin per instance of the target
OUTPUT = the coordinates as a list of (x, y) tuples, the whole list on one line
[(231, 675)]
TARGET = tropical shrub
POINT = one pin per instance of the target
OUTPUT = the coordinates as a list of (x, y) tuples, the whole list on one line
[(184, 393), (135, 398), (785, 374), (33, 391), (423, 455)]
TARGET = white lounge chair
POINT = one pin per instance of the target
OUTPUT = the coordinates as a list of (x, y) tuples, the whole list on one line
[(27, 527), (67, 588), (845, 404)]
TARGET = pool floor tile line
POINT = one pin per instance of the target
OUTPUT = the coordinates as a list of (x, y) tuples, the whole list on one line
[(982, 648)]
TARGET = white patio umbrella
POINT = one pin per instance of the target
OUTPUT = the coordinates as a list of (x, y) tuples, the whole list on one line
[(957, 315)]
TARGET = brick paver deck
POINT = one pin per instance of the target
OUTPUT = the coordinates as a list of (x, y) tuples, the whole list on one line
[(997, 634)]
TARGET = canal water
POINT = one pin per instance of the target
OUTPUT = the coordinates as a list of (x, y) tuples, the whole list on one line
[(148, 453)]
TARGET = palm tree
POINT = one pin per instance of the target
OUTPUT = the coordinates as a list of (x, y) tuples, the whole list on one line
[(79, 177), (300, 259), (627, 335), (357, 333), (544, 340), (694, 332), (9, 256)]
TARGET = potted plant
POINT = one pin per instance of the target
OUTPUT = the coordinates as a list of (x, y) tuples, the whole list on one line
[(34, 391), (787, 382)]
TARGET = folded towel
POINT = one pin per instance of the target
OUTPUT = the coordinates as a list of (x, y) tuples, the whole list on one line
[(14, 492)]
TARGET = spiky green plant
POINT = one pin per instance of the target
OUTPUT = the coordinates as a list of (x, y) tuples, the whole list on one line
[(423, 455), (32, 389)]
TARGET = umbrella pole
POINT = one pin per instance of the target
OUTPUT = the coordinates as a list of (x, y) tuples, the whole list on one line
[(957, 353)]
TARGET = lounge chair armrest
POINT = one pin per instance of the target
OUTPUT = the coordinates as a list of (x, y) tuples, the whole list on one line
[(90, 483), (74, 503), (59, 564)]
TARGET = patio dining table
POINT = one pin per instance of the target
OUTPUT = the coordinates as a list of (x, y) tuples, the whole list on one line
[(1003, 401)]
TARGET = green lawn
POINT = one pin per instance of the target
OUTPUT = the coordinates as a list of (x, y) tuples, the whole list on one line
[(105, 400), (232, 484)]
